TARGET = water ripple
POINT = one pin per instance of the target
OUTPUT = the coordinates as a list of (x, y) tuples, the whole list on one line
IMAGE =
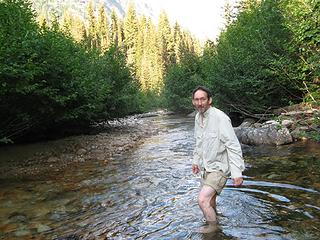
[(150, 193)]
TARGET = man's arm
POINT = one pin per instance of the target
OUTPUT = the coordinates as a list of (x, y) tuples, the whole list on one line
[(236, 162)]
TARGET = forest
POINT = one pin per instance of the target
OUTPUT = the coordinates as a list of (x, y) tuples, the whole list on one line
[(61, 72)]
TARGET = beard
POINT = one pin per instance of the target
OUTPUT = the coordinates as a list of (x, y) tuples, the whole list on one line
[(202, 109)]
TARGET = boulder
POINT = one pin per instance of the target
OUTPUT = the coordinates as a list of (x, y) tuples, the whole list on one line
[(269, 133)]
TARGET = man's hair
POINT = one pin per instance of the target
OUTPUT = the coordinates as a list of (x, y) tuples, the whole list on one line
[(209, 94)]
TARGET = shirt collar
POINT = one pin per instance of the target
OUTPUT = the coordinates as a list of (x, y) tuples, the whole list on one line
[(206, 113)]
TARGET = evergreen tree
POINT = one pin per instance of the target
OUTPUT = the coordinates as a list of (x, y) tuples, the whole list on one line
[(149, 71), (114, 28), (155, 63), (55, 26), (140, 47), (103, 29), (42, 20), (165, 41), (130, 34), (228, 16), (92, 30), (120, 33), (178, 44), (78, 30), (67, 23)]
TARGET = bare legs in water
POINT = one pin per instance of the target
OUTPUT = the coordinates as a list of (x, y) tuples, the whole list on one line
[(207, 203)]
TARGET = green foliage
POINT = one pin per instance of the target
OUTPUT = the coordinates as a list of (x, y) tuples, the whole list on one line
[(303, 19), (180, 81), (47, 80), (267, 57), (165, 41), (149, 49), (103, 30), (252, 68), (151, 101), (124, 91), (61, 74), (18, 38)]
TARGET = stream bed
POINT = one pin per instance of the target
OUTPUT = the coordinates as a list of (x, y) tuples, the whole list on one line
[(150, 193)]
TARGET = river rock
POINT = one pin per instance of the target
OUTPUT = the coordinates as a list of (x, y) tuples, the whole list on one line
[(42, 228), (17, 217), (287, 123), (299, 132), (22, 232), (81, 151), (53, 159), (270, 133), (247, 122)]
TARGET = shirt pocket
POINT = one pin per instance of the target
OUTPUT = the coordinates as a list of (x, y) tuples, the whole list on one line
[(210, 146)]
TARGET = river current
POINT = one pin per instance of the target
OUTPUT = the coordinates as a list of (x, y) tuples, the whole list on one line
[(150, 193)]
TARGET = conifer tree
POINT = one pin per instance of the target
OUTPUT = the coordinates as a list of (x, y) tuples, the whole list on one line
[(228, 14), (114, 27), (92, 30), (140, 46), (103, 29), (54, 22), (78, 31), (130, 34), (153, 59), (67, 22), (165, 40), (178, 45), (149, 70), (120, 32), (42, 20)]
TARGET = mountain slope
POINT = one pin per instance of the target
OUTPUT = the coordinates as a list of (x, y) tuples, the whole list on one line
[(79, 7)]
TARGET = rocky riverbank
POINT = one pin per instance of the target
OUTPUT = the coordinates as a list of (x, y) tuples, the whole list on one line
[(294, 123), (113, 138), (108, 140)]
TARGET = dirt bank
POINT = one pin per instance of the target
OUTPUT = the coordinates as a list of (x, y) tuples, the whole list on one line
[(110, 139)]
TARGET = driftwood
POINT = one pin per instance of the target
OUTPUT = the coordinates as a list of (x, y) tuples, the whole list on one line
[(297, 113)]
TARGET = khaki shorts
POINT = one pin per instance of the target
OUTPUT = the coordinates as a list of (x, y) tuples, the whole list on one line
[(217, 180)]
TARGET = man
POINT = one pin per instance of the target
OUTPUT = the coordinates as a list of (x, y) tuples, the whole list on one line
[(217, 153)]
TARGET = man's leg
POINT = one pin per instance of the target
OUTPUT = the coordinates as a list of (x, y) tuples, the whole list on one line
[(213, 203), (207, 203)]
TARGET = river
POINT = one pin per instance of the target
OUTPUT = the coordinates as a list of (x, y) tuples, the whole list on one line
[(150, 193)]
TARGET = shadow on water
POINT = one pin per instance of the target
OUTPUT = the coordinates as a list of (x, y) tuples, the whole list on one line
[(150, 193)]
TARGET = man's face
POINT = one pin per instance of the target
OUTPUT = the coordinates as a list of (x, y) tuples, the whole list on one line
[(201, 101)]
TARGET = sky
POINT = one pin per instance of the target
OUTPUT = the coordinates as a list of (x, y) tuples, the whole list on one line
[(203, 18)]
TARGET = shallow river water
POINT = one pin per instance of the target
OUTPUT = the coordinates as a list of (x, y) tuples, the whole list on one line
[(150, 193)]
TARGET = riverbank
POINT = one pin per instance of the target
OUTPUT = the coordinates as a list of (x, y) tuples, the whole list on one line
[(286, 125), (29, 161), (106, 140)]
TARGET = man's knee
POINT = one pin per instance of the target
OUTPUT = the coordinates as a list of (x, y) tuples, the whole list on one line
[(203, 201)]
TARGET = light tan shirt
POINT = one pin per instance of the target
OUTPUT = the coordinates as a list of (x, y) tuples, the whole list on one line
[(217, 146)]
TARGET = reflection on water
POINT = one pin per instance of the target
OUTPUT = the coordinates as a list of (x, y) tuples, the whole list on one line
[(150, 193)]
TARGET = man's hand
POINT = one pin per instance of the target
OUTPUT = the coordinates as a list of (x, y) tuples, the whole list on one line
[(195, 169), (237, 181)]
